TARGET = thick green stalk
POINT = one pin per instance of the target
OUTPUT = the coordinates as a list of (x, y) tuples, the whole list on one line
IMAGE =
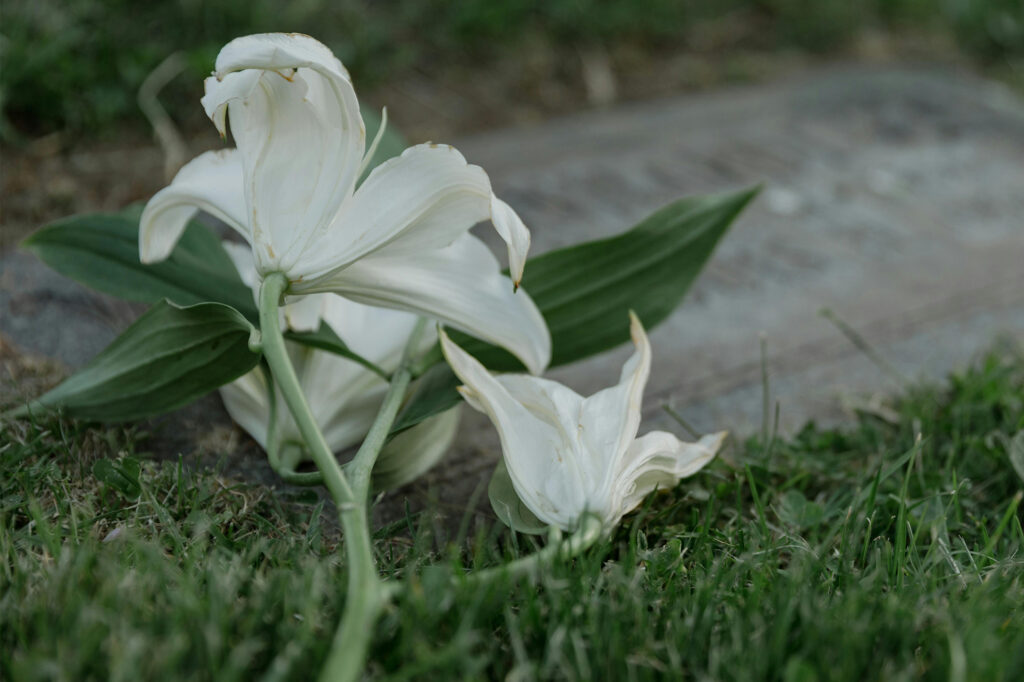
[(284, 457), (363, 595), (276, 355), (361, 466), (366, 593)]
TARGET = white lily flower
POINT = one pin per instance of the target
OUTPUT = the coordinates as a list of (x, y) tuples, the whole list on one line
[(567, 455), (343, 396), (399, 241)]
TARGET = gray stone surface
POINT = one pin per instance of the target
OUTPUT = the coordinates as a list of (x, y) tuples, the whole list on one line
[(894, 198)]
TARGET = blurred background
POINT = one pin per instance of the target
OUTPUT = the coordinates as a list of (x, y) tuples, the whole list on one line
[(72, 69)]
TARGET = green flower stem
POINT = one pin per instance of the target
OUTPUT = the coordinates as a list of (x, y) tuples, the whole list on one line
[(284, 457), (590, 531), (291, 455), (276, 355), (361, 466), (365, 595)]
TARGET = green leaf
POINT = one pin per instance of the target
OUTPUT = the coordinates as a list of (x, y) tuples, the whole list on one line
[(101, 251), (324, 338), (586, 291), (433, 393), (121, 475), (507, 505), (169, 357)]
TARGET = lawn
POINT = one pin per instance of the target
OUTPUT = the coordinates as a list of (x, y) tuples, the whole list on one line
[(886, 548)]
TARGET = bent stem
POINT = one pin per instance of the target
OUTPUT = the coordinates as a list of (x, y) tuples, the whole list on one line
[(284, 457), (367, 593), (590, 531)]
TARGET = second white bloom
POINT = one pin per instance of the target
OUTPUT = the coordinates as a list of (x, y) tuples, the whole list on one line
[(567, 455)]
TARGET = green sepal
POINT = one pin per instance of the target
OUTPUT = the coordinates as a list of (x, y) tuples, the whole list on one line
[(507, 505)]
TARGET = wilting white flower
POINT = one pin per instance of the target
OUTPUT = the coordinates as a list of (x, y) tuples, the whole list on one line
[(399, 241), (343, 396), (567, 455)]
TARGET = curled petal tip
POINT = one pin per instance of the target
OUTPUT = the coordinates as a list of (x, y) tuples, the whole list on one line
[(511, 229), (636, 328)]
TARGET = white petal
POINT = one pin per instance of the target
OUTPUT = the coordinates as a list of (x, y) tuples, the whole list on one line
[(542, 474), (414, 451), (241, 256), (343, 395), (351, 413), (300, 313), (659, 460), (563, 409), (295, 118), (344, 398), (303, 313), (424, 199), (553, 403), (377, 334), (276, 51), (421, 200), (510, 226), (219, 91), (212, 182), (460, 285), (610, 418), (247, 401)]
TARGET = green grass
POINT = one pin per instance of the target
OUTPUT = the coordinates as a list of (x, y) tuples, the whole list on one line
[(889, 548), (76, 65)]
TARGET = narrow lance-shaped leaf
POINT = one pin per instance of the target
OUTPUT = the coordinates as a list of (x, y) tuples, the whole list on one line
[(169, 357), (586, 291), (326, 339), (101, 251)]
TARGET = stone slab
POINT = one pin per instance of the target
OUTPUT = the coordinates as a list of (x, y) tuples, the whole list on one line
[(895, 198)]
